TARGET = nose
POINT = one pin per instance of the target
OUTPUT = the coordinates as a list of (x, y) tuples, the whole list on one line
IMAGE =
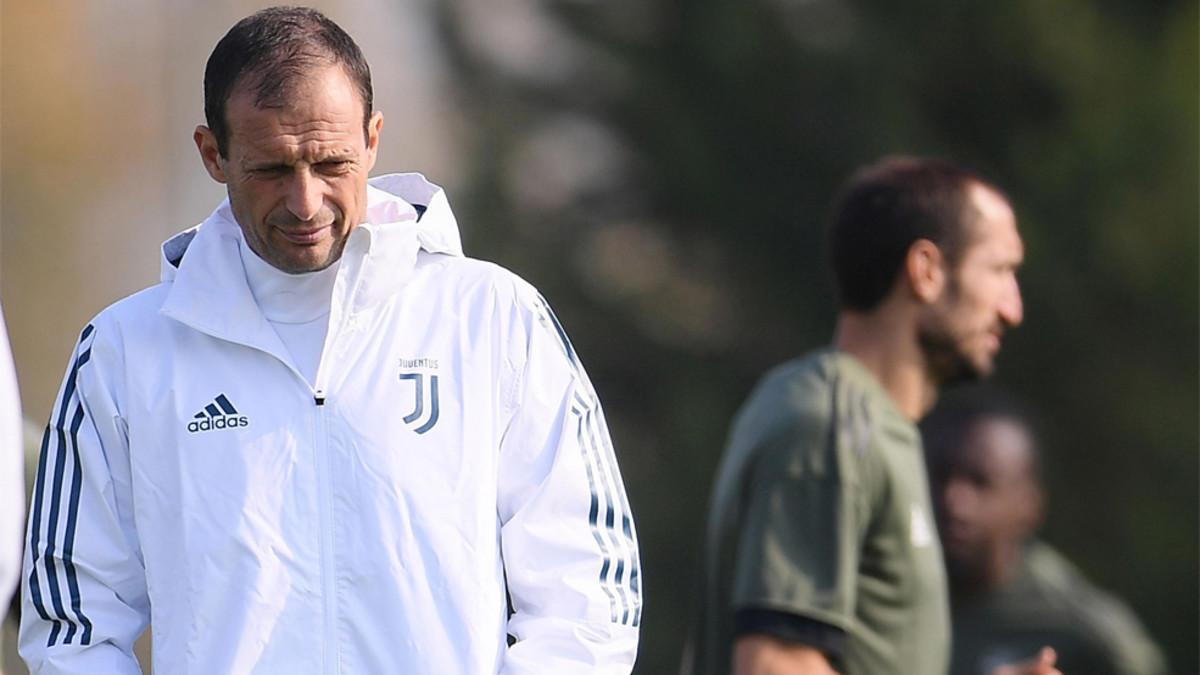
[(305, 195), (1011, 309)]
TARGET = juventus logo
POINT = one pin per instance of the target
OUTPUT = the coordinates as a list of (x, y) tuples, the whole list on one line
[(418, 380)]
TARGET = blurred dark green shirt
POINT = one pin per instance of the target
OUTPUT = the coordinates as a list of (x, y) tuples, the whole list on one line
[(1050, 603), (821, 510)]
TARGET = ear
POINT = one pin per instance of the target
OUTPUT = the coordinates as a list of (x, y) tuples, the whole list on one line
[(210, 154), (924, 268), (1034, 510), (374, 128)]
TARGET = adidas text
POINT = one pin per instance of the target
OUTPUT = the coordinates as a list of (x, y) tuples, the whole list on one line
[(222, 422)]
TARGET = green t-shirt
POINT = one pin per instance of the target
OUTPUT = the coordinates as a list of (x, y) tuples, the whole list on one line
[(1049, 602), (821, 511)]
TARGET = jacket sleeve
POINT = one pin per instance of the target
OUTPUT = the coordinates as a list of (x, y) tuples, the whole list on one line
[(83, 583), (567, 536)]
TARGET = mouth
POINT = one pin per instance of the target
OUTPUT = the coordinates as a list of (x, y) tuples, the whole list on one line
[(993, 342), (993, 338), (304, 236)]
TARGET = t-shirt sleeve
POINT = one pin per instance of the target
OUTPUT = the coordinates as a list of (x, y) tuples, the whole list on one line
[(1123, 640), (791, 628), (804, 518)]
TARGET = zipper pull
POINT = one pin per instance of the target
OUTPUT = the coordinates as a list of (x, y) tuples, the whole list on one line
[(319, 397)]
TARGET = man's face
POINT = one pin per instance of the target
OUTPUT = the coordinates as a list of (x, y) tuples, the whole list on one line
[(297, 174), (960, 333), (986, 499)]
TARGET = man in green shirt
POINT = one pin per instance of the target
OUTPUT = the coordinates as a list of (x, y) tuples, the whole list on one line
[(821, 551), (1009, 593)]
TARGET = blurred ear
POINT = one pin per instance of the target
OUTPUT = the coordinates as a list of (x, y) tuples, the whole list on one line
[(210, 154), (374, 128), (925, 271), (1033, 510)]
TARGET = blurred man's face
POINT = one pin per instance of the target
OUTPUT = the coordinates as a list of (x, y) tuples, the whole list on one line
[(986, 498), (960, 333), (297, 174)]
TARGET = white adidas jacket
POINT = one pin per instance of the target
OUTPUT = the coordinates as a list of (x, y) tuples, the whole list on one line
[(453, 455)]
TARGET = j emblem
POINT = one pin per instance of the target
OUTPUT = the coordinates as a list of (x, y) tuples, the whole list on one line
[(419, 412)]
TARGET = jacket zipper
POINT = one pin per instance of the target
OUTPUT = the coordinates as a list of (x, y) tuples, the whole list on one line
[(337, 326), (325, 506)]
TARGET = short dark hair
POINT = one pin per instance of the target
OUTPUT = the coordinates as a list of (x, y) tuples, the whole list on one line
[(272, 49), (945, 429), (883, 210)]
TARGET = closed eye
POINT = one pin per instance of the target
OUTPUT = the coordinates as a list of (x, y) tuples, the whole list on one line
[(334, 166), (273, 171)]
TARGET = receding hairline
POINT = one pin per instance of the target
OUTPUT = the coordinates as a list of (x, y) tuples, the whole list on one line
[(972, 215), (246, 91), (300, 70), (268, 51)]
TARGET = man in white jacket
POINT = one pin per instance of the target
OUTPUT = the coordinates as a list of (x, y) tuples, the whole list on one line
[(326, 442)]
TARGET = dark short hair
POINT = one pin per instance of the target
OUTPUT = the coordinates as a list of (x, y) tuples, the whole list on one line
[(883, 210), (271, 50), (945, 429)]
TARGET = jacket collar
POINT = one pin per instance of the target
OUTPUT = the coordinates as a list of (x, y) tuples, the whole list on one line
[(209, 291)]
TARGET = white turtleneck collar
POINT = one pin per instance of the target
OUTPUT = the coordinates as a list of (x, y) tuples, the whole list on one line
[(296, 305), (287, 298)]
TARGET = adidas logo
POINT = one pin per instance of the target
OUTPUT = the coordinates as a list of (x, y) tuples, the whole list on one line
[(220, 414)]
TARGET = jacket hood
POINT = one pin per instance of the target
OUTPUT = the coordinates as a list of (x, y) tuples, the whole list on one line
[(405, 214)]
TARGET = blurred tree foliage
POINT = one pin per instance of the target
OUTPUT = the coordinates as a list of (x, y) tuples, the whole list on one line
[(662, 170)]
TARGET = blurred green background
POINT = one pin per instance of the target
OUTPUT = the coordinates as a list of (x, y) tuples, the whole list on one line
[(662, 171)]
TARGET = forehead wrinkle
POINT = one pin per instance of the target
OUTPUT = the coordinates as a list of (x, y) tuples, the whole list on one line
[(293, 153), (312, 141), (279, 125)]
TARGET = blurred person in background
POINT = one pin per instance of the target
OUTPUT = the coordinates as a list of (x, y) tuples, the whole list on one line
[(1011, 593), (12, 475), (327, 441), (821, 553), (10, 660)]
